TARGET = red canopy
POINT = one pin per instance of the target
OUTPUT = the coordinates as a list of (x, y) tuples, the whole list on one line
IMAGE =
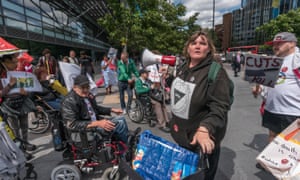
[(8, 48)]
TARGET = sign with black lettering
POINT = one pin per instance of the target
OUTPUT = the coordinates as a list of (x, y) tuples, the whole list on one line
[(282, 156), (262, 69)]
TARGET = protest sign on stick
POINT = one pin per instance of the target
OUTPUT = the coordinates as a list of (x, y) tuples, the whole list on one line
[(262, 70), (70, 72)]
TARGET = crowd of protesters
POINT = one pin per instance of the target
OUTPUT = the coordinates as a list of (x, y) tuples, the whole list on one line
[(199, 125)]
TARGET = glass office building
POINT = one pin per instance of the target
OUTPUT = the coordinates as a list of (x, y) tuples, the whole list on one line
[(254, 13), (58, 24)]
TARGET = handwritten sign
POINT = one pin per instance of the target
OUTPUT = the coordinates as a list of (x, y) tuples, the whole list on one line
[(25, 80), (262, 69), (112, 53), (281, 157)]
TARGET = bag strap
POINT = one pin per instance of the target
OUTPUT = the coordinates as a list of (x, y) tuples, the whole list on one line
[(213, 72)]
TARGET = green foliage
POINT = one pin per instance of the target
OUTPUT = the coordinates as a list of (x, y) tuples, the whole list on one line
[(289, 22), (152, 24)]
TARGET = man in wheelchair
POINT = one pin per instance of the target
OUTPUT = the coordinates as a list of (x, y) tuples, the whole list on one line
[(142, 89), (80, 112)]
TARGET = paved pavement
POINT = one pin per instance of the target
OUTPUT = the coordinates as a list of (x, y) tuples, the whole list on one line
[(244, 139)]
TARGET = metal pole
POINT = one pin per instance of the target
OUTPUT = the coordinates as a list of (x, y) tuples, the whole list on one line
[(213, 23)]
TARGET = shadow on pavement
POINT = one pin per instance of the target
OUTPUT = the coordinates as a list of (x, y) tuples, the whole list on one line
[(226, 164), (258, 142)]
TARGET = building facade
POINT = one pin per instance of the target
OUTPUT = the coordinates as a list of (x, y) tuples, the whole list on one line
[(59, 24), (254, 13), (227, 29)]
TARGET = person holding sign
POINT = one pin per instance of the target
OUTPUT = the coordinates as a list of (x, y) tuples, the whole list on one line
[(282, 105), (18, 104), (199, 110)]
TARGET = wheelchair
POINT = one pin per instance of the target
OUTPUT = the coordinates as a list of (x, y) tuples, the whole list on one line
[(89, 151), (141, 109)]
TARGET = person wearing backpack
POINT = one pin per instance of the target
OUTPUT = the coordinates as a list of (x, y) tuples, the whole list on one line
[(199, 107)]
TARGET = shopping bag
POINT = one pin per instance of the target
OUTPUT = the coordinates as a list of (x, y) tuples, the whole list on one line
[(282, 156), (158, 159)]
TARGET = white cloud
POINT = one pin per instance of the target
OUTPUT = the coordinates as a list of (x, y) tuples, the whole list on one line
[(205, 8)]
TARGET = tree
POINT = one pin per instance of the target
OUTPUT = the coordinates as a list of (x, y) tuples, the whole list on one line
[(288, 22), (152, 24)]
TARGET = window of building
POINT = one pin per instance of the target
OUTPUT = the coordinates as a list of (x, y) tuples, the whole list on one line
[(32, 14), (69, 38), (32, 4), (35, 29), (14, 23), (13, 14), (34, 21), (60, 35), (49, 33), (47, 20), (46, 8), (12, 6)]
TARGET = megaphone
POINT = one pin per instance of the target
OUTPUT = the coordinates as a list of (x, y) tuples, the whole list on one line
[(148, 58)]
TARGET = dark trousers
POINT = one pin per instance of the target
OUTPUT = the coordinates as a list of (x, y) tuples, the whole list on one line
[(19, 126), (124, 86), (236, 68)]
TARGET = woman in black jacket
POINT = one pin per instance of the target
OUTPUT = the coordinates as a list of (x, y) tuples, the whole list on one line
[(199, 110)]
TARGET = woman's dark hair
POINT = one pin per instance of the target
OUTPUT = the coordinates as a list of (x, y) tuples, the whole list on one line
[(46, 51), (82, 53), (193, 37), (6, 57)]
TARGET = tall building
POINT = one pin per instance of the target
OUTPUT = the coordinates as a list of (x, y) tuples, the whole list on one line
[(227, 29), (254, 13), (59, 24)]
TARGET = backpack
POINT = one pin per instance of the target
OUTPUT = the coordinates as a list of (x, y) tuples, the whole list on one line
[(212, 75)]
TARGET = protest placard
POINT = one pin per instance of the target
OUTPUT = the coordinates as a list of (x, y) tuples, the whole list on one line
[(282, 156), (262, 69), (112, 53), (70, 71), (25, 80)]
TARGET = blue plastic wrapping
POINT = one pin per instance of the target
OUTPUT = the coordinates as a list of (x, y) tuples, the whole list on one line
[(158, 159)]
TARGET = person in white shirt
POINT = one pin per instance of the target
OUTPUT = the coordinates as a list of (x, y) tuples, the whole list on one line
[(72, 57), (282, 105)]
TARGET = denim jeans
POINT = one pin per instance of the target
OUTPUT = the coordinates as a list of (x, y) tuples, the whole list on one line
[(123, 86), (55, 104), (120, 131)]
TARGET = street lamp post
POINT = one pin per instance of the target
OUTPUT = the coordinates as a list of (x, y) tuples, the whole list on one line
[(213, 20)]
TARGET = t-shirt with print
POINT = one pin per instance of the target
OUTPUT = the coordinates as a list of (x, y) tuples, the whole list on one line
[(284, 98), (90, 109)]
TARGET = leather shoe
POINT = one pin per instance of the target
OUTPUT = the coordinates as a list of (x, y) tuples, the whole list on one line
[(28, 156), (29, 147), (152, 123), (165, 129)]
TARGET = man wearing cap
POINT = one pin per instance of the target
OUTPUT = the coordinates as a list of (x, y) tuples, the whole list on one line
[(283, 101), (80, 111)]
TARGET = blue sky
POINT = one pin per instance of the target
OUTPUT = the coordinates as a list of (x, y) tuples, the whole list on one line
[(205, 8)]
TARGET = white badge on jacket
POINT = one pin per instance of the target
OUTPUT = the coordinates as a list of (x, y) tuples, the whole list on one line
[(181, 96)]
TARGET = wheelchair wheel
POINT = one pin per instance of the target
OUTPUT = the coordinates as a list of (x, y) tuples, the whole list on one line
[(136, 111), (40, 124), (65, 171), (111, 174)]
